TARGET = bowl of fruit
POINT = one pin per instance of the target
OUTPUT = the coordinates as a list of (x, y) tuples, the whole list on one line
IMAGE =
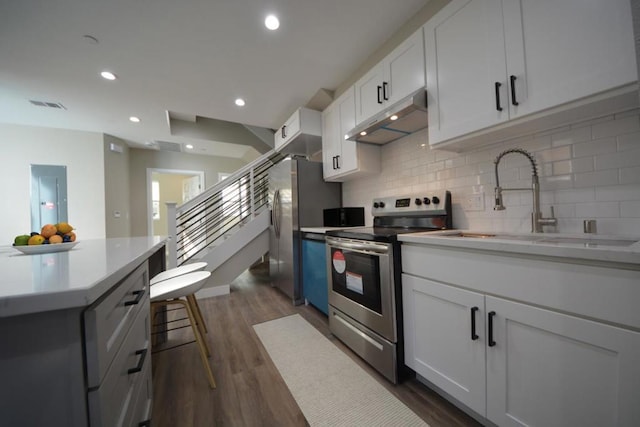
[(58, 237)]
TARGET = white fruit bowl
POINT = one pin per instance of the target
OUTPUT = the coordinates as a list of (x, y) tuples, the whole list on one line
[(45, 249)]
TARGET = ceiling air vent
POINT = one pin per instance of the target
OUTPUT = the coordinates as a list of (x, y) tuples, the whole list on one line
[(168, 146), (48, 104)]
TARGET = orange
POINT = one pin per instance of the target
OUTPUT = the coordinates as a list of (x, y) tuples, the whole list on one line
[(64, 227), (36, 239), (55, 239), (72, 236), (48, 230)]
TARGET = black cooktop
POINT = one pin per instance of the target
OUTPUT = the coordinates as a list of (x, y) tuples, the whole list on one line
[(376, 234)]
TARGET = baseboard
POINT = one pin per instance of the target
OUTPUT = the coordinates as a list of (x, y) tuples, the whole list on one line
[(213, 291)]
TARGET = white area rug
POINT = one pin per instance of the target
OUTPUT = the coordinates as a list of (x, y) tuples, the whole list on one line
[(329, 387)]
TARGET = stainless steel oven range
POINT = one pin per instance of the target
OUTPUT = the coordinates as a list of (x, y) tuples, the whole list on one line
[(364, 273)]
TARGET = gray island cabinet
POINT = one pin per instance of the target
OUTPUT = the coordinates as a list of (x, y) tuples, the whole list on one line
[(75, 334)]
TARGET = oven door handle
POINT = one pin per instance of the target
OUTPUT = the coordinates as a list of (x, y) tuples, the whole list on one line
[(361, 247)]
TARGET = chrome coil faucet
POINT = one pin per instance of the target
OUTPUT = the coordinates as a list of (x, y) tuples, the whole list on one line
[(537, 221)]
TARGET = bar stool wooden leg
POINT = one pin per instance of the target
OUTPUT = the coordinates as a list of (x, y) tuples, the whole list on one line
[(191, 300), (198, 313), (196, 332)]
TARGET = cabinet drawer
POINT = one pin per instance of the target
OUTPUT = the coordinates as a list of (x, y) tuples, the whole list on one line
[(140, 413), (108, 321), (113, 402)]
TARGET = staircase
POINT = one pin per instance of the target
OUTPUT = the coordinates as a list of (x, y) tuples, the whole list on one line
[(227, 225)]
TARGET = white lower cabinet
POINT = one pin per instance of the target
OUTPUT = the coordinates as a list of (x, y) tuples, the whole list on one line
[(552, 369), (438, 338), (517, 364)]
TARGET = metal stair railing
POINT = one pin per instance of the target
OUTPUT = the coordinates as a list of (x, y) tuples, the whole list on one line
[(210, 217)]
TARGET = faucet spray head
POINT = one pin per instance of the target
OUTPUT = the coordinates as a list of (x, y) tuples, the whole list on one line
[(499, 206)]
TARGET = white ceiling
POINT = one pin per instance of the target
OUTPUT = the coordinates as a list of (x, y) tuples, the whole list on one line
[(191, 57)]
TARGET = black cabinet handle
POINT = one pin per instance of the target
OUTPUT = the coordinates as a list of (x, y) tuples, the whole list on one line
[(385, 95), (491, 341), (138, 368), (498, 107), (145, 423), (138, 294), (338, 162), (283, 131), (379, 95), (474, 336), (513, 90)]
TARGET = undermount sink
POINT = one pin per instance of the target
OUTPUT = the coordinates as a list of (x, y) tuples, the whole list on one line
[(538, 238), (590, 242)]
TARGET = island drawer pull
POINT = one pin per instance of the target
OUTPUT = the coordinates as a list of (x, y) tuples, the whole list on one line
[(139, 294), (143, 356)]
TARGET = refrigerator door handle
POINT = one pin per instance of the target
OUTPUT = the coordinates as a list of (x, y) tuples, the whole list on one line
[(276, 212)]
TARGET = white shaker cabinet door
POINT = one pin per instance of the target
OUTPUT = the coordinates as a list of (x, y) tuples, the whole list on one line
[(551, 369), (330, 140), (561, 51), (405, 68), (369, 93), (441, 343), (465, 64)]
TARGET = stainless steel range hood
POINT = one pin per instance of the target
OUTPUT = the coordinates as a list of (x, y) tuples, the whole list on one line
[(403, 118)]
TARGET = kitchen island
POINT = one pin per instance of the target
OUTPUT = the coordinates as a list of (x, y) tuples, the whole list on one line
[(75, 333)]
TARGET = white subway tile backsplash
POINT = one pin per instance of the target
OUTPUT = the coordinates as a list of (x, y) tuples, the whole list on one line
[(589, 170), (572, 136), (618, 192), (630, 209), (583, 164), (562, 167), (593, 148), (630, 141), (618, 160), (575, 195), (596, 178), (619, 126), (630, 175), (598, 210)]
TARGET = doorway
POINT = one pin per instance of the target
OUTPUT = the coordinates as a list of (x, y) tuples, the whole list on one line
[(169, 185), (48, 195)]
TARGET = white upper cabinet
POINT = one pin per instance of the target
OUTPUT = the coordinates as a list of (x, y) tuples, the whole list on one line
[(301, 133), (395, 77), (344, 159), (492, 61)]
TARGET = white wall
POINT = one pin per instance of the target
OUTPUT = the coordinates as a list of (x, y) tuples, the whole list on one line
[(589, 170), (81, 152)]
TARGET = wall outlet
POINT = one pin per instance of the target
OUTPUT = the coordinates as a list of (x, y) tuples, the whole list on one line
[(474, 202)]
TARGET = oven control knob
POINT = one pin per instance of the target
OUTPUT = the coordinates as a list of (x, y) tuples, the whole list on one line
[(435, 200), (376, 205), (418, 202), (381, 204), (426, 201)]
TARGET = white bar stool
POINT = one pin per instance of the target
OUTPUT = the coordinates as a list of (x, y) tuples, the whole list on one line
[(173, 272), (178, 271), (171, 291)]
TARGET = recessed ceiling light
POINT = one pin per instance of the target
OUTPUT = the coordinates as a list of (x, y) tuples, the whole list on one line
[(134, 119), (346, 136), (108, 75), (394, 117), (272, 22), (189, 147), (240, 102), (363, 133)]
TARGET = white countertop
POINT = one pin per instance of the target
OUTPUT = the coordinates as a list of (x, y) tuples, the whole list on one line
[(76, 278), (535, 244)]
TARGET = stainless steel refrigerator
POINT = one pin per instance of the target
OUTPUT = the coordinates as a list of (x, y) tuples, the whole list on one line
[(297, 196)]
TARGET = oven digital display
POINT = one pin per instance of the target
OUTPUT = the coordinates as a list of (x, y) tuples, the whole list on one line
[(403, 203)]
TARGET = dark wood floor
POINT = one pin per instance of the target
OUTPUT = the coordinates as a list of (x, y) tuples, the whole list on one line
[(250, 391)]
